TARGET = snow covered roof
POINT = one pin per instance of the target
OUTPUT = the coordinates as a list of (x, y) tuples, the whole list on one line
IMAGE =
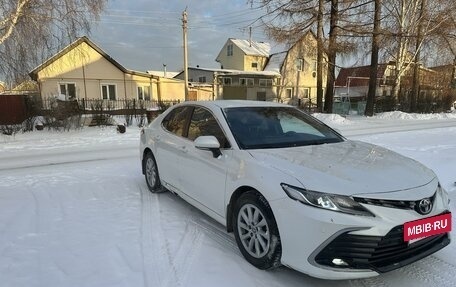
[(252, 48), (169, 74), (275, 62)]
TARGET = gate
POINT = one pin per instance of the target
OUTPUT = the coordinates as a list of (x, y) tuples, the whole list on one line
[(12, 109)]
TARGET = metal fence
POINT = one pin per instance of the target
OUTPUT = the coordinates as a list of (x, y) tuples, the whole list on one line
[(93, 105)]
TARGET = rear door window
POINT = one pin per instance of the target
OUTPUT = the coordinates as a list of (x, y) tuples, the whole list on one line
[(176, 121)]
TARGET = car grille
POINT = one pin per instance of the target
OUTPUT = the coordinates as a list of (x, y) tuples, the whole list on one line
[(379, 253), (401, 204)]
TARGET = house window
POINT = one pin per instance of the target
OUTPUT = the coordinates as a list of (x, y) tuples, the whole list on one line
[(300, 64), (289, 93), (246, 82), (229, 50), (226, 81), (202, 79), (265, 82), (68, 90), (144, 93), (261, 96), (305, 93), (108, 92), (254, 65), (315, 64)]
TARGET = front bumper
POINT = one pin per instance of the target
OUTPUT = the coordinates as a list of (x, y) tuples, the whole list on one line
[(311, 238), (381, 254)]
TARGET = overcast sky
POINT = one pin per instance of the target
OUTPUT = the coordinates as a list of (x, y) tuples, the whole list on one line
[(145, 34)]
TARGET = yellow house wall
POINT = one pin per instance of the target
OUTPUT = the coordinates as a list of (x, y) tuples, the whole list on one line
[(234, 62), (88, 70), (292, 78), (132, 83), (204, 93), (171, 89), (248, 60)]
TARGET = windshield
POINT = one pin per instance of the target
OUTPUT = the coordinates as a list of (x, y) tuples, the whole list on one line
[(276, 127)]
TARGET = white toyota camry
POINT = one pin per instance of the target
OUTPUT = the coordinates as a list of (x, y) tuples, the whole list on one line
[(294, 191)]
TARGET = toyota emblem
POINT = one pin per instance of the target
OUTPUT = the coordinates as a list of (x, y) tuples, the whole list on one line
[(425, 206)]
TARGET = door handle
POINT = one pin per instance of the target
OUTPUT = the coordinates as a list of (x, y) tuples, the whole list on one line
[(157, 138), (184, 149)]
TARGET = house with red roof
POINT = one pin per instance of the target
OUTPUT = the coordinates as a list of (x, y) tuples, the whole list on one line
[(353, 82)]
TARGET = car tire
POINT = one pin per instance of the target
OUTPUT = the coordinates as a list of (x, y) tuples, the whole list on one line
[(256, 232), (151, 174)]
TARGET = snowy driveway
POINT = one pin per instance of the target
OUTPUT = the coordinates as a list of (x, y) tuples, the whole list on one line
[(75, 211)]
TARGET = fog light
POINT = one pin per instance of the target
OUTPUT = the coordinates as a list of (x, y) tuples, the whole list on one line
[(339, 262)]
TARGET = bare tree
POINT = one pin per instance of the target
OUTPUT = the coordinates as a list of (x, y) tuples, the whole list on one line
[(332, 54), (286, 21), (320, 49), (369, 111), (411, 25), (416, 63), (32, 30)]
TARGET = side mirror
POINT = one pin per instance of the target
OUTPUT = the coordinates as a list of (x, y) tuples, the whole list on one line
[(208, 143)]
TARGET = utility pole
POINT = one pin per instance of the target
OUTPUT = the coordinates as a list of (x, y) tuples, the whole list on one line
[(184, 28), (250, 36)]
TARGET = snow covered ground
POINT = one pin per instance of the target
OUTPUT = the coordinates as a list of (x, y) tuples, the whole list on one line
[(75, 211)]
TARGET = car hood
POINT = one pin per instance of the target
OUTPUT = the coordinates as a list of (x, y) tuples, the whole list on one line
[(347, 168)]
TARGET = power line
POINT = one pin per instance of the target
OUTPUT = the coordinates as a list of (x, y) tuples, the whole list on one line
[(143, 11), (104, 44), (251, 10), (216, 19), (136, 23)]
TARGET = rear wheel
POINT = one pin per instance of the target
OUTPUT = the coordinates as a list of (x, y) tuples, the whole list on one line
[(256, 231), (151, 174)]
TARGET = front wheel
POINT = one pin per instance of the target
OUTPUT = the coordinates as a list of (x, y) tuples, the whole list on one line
[(256, 231), (151, 174)]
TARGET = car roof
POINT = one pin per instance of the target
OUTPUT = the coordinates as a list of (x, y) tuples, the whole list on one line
[(234, 104)]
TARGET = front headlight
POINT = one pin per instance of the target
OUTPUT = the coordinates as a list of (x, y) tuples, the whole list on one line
[(333, 202)]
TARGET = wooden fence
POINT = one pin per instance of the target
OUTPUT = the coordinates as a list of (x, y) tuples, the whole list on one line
[(13, 109)]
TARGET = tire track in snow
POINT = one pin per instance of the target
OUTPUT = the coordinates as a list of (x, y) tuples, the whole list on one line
[(430, 272), (216, 233), (167, 269), (437, 264), (377, 281), (403, 127), (56, 163), (150, 241), (180, 263)]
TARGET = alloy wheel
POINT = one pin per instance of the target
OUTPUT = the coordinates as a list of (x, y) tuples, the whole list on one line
[(253, 230), (151, 171)]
